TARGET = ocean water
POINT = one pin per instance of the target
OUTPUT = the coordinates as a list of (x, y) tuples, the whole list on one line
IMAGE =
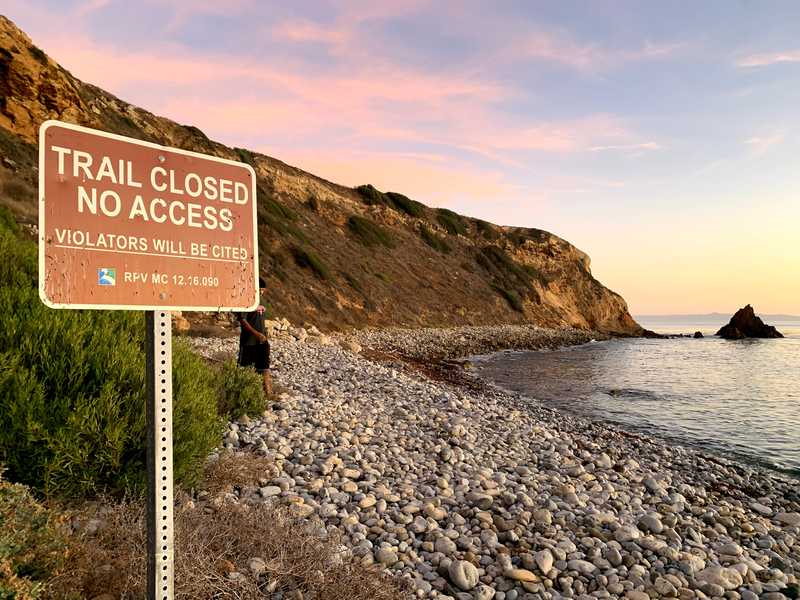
[(738, 399)]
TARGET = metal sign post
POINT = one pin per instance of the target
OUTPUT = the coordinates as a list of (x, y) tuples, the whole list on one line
[(160, 531)]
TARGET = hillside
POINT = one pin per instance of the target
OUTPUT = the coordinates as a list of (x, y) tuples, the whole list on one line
[(334, 256)]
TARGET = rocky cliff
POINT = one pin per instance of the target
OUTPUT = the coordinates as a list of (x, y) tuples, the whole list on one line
[(332, 255)]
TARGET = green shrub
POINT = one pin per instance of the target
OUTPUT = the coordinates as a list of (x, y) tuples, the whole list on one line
[(33, 545), (38, 54), (7, 221), (509, 271), (282, 228), (306, 259), (370, 195), (486, 229), (520, 235), (405, 204), (245, 156), (503, 267), (353, 282), (452, 222), (394, 200), (434, 241), (513, 298), (368, 233), (508, 278), (72, 391), (267, 204), (278, 217), (241, 391)]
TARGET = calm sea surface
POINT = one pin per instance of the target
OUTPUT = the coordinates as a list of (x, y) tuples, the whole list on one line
[(740, 399)]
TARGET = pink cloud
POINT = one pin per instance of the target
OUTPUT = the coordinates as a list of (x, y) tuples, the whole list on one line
[(179, 12), (760, 145), (309, 31), (767, 59), (374, 104), (627, 147), (90, 6)]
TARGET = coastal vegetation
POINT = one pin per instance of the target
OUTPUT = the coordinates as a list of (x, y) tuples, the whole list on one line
[(453, 223), (307, 259), (487, 230), (33, 545), (278, 217), (511, 280), (394, 200), (72, 390), (513, 298), (240, 391), (369, 233), (405, 204), (433, 240)]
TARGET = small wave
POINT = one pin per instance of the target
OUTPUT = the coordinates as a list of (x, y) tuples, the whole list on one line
[(633, 394)]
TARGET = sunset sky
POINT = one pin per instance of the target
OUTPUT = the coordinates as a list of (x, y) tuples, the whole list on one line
[(662, 138)]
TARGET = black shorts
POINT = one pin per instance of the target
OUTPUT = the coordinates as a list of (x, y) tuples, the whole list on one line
[(255, 356)]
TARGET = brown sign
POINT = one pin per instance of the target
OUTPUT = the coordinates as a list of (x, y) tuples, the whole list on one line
[(125, 224)]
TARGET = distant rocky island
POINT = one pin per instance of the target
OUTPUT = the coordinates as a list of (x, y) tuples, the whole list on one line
[(745, 324)]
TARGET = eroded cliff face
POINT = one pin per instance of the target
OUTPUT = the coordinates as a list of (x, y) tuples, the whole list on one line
[(331, 255)]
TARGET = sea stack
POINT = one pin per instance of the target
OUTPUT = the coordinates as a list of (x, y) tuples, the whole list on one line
[(745, 324)]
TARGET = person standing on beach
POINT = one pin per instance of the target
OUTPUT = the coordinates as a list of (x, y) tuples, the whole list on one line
[(253, 342)]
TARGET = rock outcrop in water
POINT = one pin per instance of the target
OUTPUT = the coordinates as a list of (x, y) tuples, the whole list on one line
[(745, 324)]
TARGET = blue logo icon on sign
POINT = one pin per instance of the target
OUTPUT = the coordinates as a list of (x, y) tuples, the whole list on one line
[(106, 276)]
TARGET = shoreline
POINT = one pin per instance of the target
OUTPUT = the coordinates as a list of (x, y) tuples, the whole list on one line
[(469, 492), (663, 436)]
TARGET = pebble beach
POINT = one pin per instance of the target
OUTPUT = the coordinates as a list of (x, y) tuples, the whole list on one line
[(474, 493)]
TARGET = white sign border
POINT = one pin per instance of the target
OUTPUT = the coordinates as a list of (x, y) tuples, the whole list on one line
[(58, 305)]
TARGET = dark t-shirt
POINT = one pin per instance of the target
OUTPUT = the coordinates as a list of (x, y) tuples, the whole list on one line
[(257, 320)]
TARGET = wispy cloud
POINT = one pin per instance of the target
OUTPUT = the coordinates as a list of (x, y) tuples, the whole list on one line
[(562, 48), (90, 6), (627, 147), (768, 58), (303, 30), (760, 145)]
